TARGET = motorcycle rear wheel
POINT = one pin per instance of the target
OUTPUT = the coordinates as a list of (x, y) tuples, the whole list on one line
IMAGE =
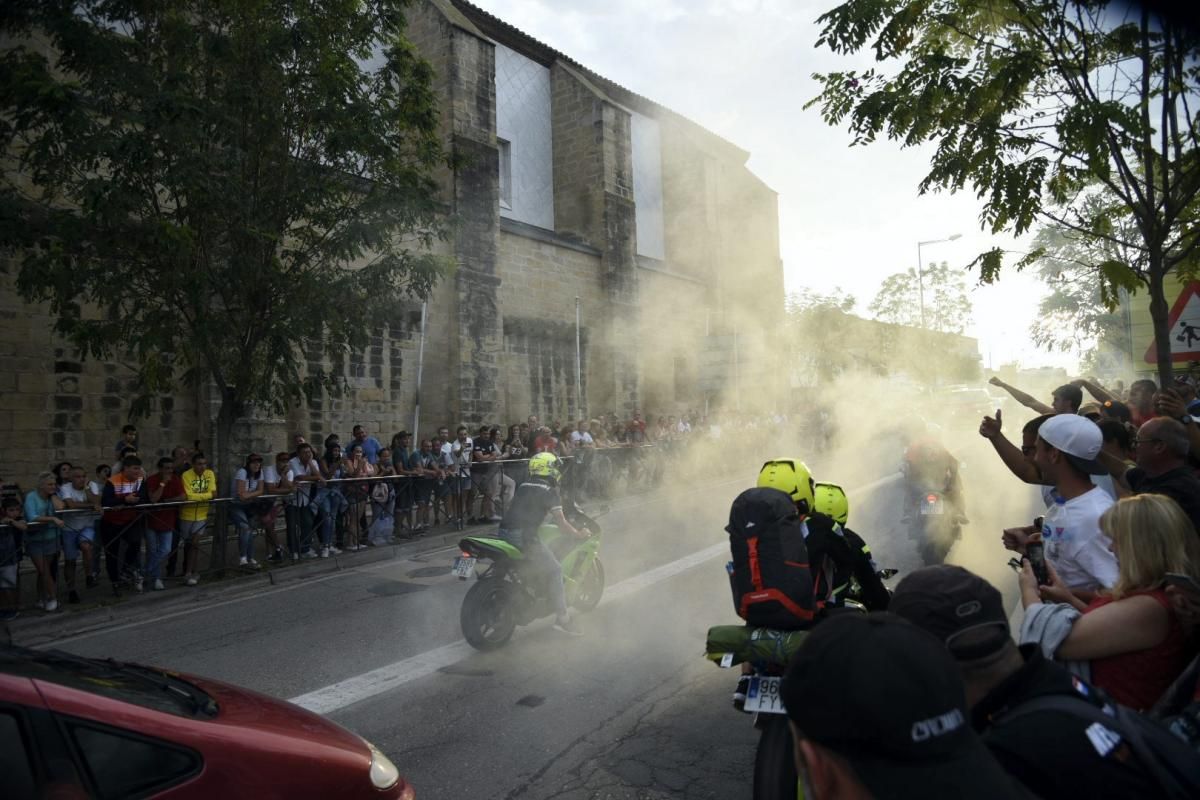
[(487, 617), (591, 587), (775, 775)]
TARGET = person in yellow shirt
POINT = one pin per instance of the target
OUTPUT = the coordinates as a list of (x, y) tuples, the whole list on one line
[(199, 483)]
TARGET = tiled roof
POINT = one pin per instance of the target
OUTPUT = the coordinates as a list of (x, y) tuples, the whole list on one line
[(511, 36)]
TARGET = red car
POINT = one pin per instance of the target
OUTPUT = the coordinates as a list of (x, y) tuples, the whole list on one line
[(73, 727)]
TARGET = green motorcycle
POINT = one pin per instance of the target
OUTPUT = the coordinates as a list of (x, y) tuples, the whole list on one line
[(511, 593)]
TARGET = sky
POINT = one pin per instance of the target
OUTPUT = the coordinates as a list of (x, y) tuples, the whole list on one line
[(848, 216)]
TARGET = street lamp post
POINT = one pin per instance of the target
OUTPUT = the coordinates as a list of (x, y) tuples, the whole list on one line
[(921, 271)]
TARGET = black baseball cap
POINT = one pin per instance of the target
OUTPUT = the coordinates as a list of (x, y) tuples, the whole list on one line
[(955, 605), (887, 697)]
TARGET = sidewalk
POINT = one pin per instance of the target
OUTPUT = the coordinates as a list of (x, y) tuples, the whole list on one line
[(35, 628)]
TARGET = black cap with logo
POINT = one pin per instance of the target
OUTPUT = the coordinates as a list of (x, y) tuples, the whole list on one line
[(887, 697), (955, 605)]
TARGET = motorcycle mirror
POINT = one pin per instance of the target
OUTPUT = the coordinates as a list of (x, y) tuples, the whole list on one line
[(884, 574)]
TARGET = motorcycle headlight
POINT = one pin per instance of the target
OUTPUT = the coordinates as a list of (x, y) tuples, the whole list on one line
[(383, 772)]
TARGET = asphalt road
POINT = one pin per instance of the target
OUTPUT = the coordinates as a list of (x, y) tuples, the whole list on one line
[(630, 710)]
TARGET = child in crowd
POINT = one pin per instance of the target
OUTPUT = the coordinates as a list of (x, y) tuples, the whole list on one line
[(11, 529)]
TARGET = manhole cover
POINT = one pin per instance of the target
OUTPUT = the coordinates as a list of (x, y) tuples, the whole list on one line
[(428, 572), (531, 701), (394, 588)]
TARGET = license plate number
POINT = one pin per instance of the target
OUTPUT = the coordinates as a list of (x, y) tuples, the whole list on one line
[(464, 566), (934, 507), (763, 695)]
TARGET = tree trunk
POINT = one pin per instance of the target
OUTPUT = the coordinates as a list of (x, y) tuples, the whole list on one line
[(225, 468), (1158, 314)]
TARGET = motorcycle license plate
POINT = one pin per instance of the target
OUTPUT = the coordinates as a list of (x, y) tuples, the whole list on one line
[(464, 566), (933, 507), (763, 695)]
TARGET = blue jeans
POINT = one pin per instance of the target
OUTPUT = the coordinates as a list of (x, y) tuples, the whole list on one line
[(332, 504), (244, 530), (543, 562), (158, 547)]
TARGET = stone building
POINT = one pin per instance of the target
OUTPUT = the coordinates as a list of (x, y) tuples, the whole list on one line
[(571, 187)]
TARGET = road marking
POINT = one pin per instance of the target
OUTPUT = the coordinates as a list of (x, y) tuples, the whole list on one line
[(377, 681), (383, 679)]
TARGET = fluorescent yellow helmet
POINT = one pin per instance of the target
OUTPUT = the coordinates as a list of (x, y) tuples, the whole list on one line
[(790, 476), (830, 499), (544, 465)]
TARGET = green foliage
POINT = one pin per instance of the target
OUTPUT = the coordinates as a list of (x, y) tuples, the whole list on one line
[(219, 189), (947, 299), (1033, 104)]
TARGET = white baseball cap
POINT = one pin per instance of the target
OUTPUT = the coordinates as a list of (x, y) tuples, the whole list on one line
[(1078, 438)]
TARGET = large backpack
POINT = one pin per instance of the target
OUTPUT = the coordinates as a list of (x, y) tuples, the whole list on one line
[(1166, 759), (770, 577)]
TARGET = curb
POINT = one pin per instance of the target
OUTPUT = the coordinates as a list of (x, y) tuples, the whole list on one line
[(40, 629)]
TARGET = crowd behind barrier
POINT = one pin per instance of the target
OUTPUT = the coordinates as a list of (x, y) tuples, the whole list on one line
[(139, 523)]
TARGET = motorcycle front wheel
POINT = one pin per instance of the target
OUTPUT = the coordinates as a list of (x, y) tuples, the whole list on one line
[(774, 765), (591, 587), (487, 616)]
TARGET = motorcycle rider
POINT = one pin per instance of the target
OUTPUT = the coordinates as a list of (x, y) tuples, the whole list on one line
[(929, 465), (833, 555), (830, 499), (533, 500)]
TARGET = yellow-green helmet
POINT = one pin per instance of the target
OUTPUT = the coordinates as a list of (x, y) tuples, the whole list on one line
[(790, 476), (830, 499), (544, 465)]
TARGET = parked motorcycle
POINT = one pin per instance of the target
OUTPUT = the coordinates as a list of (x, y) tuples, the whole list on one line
[(509, 593), (768, 652)]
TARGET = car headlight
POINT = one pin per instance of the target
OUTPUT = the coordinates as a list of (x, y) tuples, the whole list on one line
[(383, 772)]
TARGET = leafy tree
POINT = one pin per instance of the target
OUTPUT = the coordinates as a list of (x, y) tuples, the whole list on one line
[(1034, 104), (224, 190), (1079, 313), (947, 299), (817, 324)]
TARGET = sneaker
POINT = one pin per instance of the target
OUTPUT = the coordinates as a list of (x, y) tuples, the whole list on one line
[(252, 563), (567, 625), (193, 579), (324, 552), (309, 554), (90, 581), (495, 518), (158, 585), (334, 550), (51, 605), (739, 694), (137, 583), (242, 562), (295, 556), (73, 597), (276, 557)]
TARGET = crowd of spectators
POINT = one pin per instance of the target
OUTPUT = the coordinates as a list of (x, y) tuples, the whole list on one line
[(1096, 693), (141, 519)]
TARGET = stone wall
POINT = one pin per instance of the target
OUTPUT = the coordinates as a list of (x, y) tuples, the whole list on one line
[(56, 407)]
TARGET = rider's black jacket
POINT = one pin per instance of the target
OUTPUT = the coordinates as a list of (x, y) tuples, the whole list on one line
[(837, 554)]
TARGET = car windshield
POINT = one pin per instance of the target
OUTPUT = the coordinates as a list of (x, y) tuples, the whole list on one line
[(129, 683)]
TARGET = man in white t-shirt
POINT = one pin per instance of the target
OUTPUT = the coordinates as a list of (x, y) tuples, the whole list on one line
[(1066, 450), (302, 472)]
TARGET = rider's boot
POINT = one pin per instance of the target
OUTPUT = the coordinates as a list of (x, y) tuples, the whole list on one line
[(566, 624)]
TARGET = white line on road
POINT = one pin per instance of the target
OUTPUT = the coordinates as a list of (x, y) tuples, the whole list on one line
[(377, 681)]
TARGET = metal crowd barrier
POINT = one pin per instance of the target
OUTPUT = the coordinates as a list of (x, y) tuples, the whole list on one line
[(596, 470)]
